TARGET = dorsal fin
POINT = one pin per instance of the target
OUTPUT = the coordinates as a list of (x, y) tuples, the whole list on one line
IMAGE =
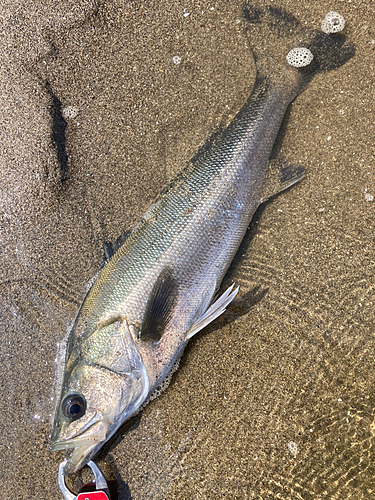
[(110, 248), (160, 306)]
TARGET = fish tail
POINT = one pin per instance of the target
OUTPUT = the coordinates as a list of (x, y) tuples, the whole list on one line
[(287, 49)]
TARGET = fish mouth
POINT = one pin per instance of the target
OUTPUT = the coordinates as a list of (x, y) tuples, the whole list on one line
[(84, 445), (94, 430), (80, 456), (67, 445)]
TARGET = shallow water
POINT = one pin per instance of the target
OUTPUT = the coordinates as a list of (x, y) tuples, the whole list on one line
[(275, 399)]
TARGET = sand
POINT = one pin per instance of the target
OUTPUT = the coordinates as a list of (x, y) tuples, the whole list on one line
[(273, 400)]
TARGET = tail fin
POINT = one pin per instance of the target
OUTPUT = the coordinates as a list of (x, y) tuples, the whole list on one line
[(330, 51), (274, 33)]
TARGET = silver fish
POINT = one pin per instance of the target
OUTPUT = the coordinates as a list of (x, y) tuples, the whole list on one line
[(159, 288)]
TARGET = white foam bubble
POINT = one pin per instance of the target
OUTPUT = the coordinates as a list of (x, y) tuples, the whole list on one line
[(299, 57), (70, 112), (333, 22), (162, 386), (293, 448), (164, 383)]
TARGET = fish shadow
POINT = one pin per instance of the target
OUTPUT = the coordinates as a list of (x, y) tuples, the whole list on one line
[(119, 487), (252, 297), (243, 304), (122, 487)]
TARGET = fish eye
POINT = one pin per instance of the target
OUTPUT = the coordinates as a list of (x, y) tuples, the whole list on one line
[(73, 406)]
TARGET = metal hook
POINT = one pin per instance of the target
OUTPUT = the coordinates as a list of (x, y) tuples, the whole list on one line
[(68, 495), (100, 482)]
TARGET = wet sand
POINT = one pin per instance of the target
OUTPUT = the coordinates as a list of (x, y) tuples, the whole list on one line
[(275, 399)]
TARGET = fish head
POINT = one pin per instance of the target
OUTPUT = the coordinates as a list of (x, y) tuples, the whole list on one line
[(104, 384)]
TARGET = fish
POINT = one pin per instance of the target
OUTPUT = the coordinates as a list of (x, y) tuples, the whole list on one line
[(160, 285)]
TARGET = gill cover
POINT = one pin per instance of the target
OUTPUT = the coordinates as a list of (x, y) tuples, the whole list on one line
[(104, 384)]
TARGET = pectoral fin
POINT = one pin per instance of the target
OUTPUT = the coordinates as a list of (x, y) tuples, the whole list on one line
[(160, 306), (213, 312), (280, 176)]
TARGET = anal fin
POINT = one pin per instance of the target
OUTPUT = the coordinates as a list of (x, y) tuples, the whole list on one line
[(213, 312), (280, 176)]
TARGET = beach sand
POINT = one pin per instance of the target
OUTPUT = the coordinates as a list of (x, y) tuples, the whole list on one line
[(276, 398)]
